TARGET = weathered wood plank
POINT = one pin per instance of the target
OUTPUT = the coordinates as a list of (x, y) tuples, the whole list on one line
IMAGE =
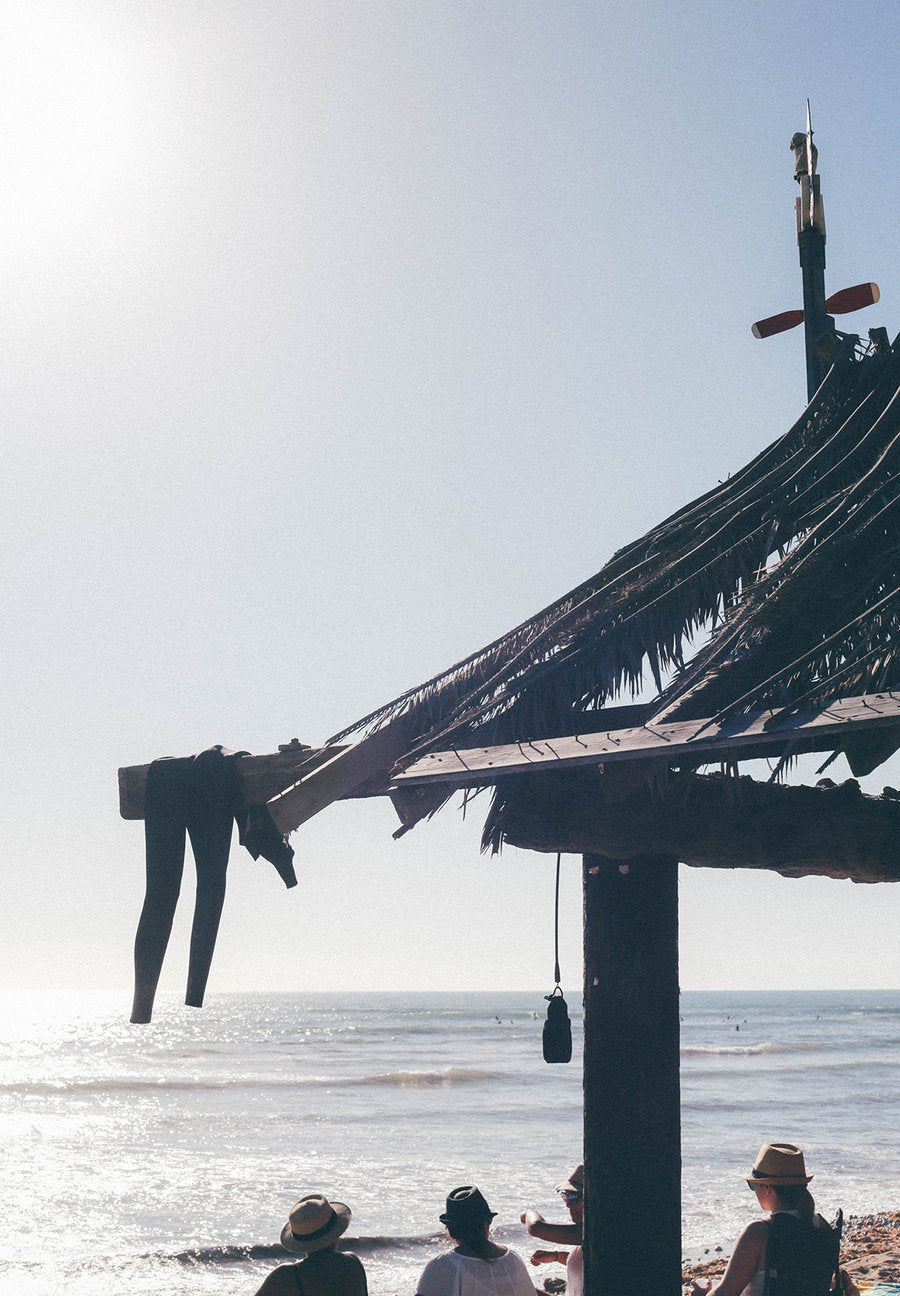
[(260, 777), (344, 771), (767, 731)]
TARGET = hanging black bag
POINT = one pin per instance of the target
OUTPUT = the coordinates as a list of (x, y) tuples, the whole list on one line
[(557, 1034), (557, 1037)]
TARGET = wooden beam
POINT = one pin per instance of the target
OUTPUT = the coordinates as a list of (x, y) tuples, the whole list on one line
[(260, 777), (696, 742), (632, 1114), (343, 772), (297, 782), (705, 820)]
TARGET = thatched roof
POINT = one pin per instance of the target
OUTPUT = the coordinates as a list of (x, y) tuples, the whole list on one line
[(779, 588), (787, 574)]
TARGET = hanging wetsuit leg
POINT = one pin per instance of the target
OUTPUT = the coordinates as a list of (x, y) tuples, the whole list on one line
[(210, 823), (210, 842), (164, 832)]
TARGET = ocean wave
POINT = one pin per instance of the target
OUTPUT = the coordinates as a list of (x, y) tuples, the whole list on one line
[(103, 1086), (274, 1251), (745, 1050), (770, 1047), (421, 1079), (446, 1077)]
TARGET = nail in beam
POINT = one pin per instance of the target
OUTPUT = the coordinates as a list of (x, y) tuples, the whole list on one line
[(632, 1110)]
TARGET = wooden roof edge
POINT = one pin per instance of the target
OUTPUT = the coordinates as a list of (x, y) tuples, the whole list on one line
[(259, 777), (707, 822), (297, 782), (693, 742)]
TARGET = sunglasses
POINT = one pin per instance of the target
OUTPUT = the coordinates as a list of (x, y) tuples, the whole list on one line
[(570, 1197)]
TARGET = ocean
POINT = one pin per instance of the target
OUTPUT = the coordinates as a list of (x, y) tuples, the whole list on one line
[(163, 1159)]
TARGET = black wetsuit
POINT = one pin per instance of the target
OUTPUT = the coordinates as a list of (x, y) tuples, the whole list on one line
[(198, 796)]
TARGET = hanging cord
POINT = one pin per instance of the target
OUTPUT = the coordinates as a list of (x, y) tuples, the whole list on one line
[(557, 1034), (556, 927)]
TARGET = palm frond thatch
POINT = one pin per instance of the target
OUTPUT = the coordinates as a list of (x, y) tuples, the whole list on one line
[(791, 568)]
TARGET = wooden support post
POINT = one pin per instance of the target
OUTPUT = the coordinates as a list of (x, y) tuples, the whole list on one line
[(632, 1110)]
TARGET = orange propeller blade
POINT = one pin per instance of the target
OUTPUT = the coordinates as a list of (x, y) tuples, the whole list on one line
[(853, 299), (777, 323), (839, 303)]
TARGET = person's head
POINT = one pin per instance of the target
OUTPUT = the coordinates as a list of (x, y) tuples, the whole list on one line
[(572, 1192), (467, 1216), (779, 1179), (314, 1224)]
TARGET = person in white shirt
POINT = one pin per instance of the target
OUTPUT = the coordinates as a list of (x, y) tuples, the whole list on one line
[(476, 1266)]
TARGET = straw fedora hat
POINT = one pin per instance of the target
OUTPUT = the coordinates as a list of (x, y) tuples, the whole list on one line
[(466, 1205), (574, 1183), (314, 1222), (778, 1163)]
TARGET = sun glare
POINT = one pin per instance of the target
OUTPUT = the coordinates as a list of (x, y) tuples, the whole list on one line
[(69, 107)]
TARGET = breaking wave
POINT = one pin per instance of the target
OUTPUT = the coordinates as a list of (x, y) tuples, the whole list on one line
[(446, 1078), (745, 1050), (273, 1251), (103, 1086), (424, 1079)]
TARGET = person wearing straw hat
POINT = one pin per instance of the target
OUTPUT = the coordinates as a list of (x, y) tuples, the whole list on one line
[(571, 1190), (314, 1226), (792, 1253), (476, 1266)]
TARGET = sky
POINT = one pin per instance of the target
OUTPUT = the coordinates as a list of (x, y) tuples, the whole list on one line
[(338, 338)]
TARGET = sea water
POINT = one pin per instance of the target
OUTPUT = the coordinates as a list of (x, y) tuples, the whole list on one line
[(164, 1158)]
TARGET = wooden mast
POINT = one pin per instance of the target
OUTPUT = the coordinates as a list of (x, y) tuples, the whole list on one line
[(632, 1105)]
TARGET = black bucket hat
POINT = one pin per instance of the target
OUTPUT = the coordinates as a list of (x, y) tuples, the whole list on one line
[(466, 1205)]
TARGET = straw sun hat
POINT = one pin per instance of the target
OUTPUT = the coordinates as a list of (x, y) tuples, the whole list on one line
[(778, 1163), (574, 1183), (314, 1222)]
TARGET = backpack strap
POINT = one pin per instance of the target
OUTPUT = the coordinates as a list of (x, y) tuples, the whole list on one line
[(768, 1267), (838, 1228)]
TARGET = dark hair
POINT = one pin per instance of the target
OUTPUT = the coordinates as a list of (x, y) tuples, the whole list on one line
[(795, 1197), (466, 1215), (471, 1232)]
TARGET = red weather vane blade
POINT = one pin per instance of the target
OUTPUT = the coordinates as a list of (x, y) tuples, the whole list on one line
[(840, 303)]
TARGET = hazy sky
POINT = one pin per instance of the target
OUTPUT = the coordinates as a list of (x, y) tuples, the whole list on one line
[(338, 338)]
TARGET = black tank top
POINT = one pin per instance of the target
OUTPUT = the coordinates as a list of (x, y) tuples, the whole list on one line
[(801, 1258)]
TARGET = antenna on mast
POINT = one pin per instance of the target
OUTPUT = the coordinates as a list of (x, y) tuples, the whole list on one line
[(820, 334), (812, 155), (818, 326)]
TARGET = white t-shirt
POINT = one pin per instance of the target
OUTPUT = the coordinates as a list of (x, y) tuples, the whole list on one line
[(575, 1272), (453, 1274)]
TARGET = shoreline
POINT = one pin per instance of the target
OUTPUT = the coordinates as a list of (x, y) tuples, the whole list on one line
[(870, 1251)]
